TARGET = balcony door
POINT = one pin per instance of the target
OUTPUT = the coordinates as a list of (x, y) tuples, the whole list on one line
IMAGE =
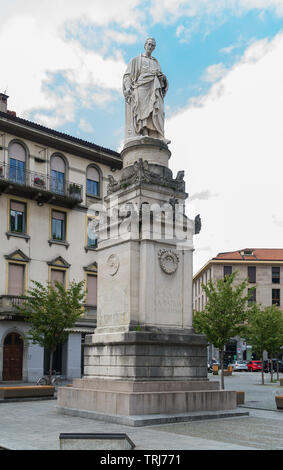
[(13, 357), (58, 170), (17, 163)]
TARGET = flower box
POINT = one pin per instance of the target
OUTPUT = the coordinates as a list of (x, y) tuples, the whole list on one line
[(39, 181)]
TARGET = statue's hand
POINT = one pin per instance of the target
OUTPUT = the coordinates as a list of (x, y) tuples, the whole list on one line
[(164, 85), (128, 95)]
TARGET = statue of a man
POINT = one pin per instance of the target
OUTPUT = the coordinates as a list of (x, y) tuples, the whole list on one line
[(144, 88)]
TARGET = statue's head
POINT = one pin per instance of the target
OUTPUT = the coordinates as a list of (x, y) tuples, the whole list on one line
[(150, 44)]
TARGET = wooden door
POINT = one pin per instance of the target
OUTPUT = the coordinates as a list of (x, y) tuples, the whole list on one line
[(13, 357)]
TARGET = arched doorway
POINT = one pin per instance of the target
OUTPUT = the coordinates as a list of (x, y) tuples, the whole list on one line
[(13, 357)]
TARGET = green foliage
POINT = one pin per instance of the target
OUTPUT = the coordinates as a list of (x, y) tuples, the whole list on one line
[(225, 313), (265, 329), (50, 310)]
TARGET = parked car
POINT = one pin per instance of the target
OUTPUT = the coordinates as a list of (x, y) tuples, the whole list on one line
[(239, 365), (254, 366), (266, 365)]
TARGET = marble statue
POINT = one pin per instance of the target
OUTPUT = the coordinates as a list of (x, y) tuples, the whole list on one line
[(144, 88)]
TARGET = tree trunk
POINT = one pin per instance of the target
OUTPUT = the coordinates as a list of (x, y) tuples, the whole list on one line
[(271, 368), (222, 368), (262, 373), (277, 370), (50, 366)]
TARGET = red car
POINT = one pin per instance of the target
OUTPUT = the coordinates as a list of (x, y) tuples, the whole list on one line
[(254, 366)]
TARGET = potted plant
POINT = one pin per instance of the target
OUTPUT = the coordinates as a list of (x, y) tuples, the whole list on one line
[(39, 181), (75, 190)]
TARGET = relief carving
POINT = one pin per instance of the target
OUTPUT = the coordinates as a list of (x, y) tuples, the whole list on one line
[(168, 261)]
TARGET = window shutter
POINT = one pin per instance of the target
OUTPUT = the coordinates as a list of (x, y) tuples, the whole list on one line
[(58, 164), (16, 279), (58, 215), (17, 206), (91, 289), (92, 174), (57, 275), (17, 151)]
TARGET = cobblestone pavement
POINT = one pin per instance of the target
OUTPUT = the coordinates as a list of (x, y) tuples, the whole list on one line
[(36, 425)]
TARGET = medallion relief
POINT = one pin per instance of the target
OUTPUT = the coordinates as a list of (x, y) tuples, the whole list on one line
[(168, 261), (113, 264)]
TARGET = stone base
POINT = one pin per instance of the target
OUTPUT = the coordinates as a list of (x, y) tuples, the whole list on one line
[(146, 355), (151, 420), (139, 403)]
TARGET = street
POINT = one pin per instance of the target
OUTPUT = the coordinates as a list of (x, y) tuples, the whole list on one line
[(36, 425)]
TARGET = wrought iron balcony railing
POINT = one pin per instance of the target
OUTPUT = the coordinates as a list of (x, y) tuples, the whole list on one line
[(19, 177)]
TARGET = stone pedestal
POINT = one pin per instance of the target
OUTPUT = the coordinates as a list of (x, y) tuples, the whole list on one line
[(144, 360), (151, 150)]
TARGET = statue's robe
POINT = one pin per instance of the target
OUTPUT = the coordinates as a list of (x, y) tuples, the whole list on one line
[(148, 86)]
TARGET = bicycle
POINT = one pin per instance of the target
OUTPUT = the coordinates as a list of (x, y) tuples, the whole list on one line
[(44, 380)]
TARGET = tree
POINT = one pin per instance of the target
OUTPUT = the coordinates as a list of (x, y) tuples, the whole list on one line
[(224, 315), (265, 332), (50, 311)]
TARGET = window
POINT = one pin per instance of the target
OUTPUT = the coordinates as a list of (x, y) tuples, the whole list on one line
[(276, 275), (93, 182), (57, 275), (227, 271), (251, 295), (17, 217), (276, 297), (252, 274), (248, 252), (16, 279), (91, 282), (17, 162), (58, 226), (58, 170), (91, 234)]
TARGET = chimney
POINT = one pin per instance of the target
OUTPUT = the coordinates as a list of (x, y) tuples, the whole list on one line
[(3, 102)]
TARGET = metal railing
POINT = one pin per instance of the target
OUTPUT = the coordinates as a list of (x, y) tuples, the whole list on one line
[(39, 181)]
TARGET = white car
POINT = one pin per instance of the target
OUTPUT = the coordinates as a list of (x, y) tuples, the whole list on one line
[(239, 365)]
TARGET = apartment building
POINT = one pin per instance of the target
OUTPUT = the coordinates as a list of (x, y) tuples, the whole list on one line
[(48, 182), (263, 267)]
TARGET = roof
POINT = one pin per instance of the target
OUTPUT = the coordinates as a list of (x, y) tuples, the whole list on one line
[(256, 255), (10, 118), (252, 254)]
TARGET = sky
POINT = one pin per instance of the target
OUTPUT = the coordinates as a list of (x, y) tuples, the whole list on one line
[(62, 64)]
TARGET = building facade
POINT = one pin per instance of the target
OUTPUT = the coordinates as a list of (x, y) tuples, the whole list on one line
[(262, 268), (48, 182)]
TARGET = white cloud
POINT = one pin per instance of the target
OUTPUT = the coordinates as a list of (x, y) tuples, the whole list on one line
[(233, 145), (86, 126), (170, 10), (34, 47), (202, 195), (214, 72)]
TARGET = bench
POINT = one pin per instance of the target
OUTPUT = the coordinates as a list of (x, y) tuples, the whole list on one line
[(28, 391)]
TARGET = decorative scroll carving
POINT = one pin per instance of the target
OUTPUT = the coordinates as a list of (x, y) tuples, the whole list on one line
[(144, 172)]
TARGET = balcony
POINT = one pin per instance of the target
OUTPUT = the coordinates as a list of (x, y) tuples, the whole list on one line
[(8, 304), (38, 186)]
